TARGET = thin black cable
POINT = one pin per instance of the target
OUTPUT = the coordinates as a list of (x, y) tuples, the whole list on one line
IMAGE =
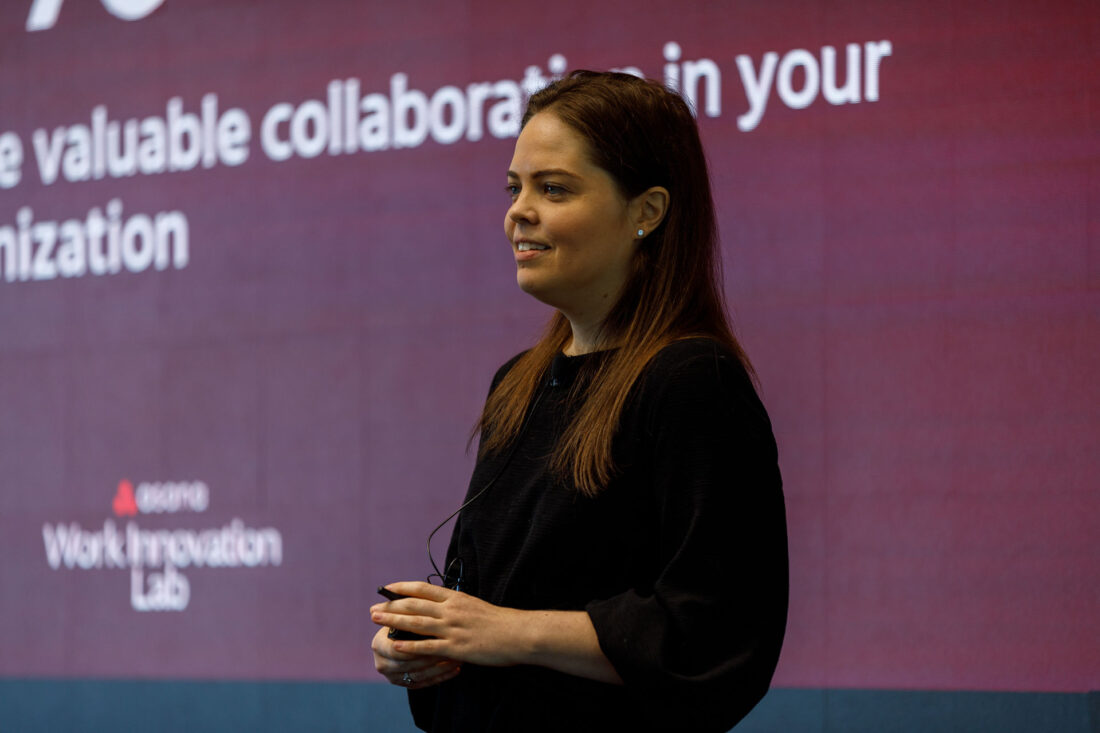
[(479, 494)]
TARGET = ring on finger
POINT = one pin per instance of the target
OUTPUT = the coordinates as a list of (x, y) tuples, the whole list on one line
[(406, 679)]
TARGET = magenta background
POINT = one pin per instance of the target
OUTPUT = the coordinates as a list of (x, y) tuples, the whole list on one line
[(917, 281)]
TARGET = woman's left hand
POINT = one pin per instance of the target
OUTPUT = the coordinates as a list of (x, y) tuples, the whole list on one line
[(464, 628), (467, 629)]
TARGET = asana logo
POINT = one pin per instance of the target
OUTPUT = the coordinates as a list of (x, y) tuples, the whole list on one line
[(124, 503), (156, 557), (158, 497)]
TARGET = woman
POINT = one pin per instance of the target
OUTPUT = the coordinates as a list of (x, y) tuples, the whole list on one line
[(621, 560)]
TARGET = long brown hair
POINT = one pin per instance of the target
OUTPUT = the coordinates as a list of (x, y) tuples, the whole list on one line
[(643, 135)]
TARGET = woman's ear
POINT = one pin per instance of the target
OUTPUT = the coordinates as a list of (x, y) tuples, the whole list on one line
[(649, 209)]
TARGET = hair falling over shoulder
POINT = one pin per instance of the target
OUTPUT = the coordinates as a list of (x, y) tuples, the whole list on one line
[(643, 135)]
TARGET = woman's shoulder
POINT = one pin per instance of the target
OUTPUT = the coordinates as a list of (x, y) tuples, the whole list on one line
[(698, 356), (699, 373), (505, 368)]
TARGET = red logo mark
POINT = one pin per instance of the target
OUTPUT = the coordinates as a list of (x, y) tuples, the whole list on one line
[(124, 503)]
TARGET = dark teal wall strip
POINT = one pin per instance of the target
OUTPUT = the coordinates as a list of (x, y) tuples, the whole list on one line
[(904, 711), (108, 706)]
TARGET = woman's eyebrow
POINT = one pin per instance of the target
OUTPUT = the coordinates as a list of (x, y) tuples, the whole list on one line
[(547, 172)]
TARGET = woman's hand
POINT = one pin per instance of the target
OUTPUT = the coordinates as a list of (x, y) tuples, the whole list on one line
[(468, 629), (421, 671), (465, 628)]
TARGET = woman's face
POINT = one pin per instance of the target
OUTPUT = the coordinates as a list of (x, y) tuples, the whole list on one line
[(569, 225)]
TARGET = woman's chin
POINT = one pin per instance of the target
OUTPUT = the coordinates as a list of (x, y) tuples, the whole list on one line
[(529, 284), (537, 289)]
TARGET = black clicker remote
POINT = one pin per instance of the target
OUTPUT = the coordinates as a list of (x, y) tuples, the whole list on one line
[(398, 634)]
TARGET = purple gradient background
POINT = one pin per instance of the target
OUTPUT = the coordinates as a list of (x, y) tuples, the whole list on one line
[(917, 281)]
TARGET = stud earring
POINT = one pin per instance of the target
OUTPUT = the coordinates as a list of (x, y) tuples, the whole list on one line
[(641, 232)]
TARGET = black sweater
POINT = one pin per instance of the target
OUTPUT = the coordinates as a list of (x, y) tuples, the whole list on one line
[(681, 562)]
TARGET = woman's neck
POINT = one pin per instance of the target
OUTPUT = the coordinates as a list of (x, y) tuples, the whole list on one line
[(585, 338)]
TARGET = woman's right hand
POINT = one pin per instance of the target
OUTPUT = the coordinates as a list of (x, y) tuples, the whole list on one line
[(422, 671)]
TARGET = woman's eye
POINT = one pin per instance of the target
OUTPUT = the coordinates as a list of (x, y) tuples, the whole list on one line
[(549, 189)]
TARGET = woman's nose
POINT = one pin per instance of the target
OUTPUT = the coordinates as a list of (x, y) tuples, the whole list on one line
[(521, 211)]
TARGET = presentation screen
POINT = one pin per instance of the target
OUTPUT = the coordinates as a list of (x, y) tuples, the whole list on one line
[(254, 285)]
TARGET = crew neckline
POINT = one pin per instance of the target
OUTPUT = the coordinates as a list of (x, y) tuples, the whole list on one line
[(564, 368), (597, 352)]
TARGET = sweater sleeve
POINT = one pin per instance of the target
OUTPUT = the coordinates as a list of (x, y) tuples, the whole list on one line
[(698, 648)]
